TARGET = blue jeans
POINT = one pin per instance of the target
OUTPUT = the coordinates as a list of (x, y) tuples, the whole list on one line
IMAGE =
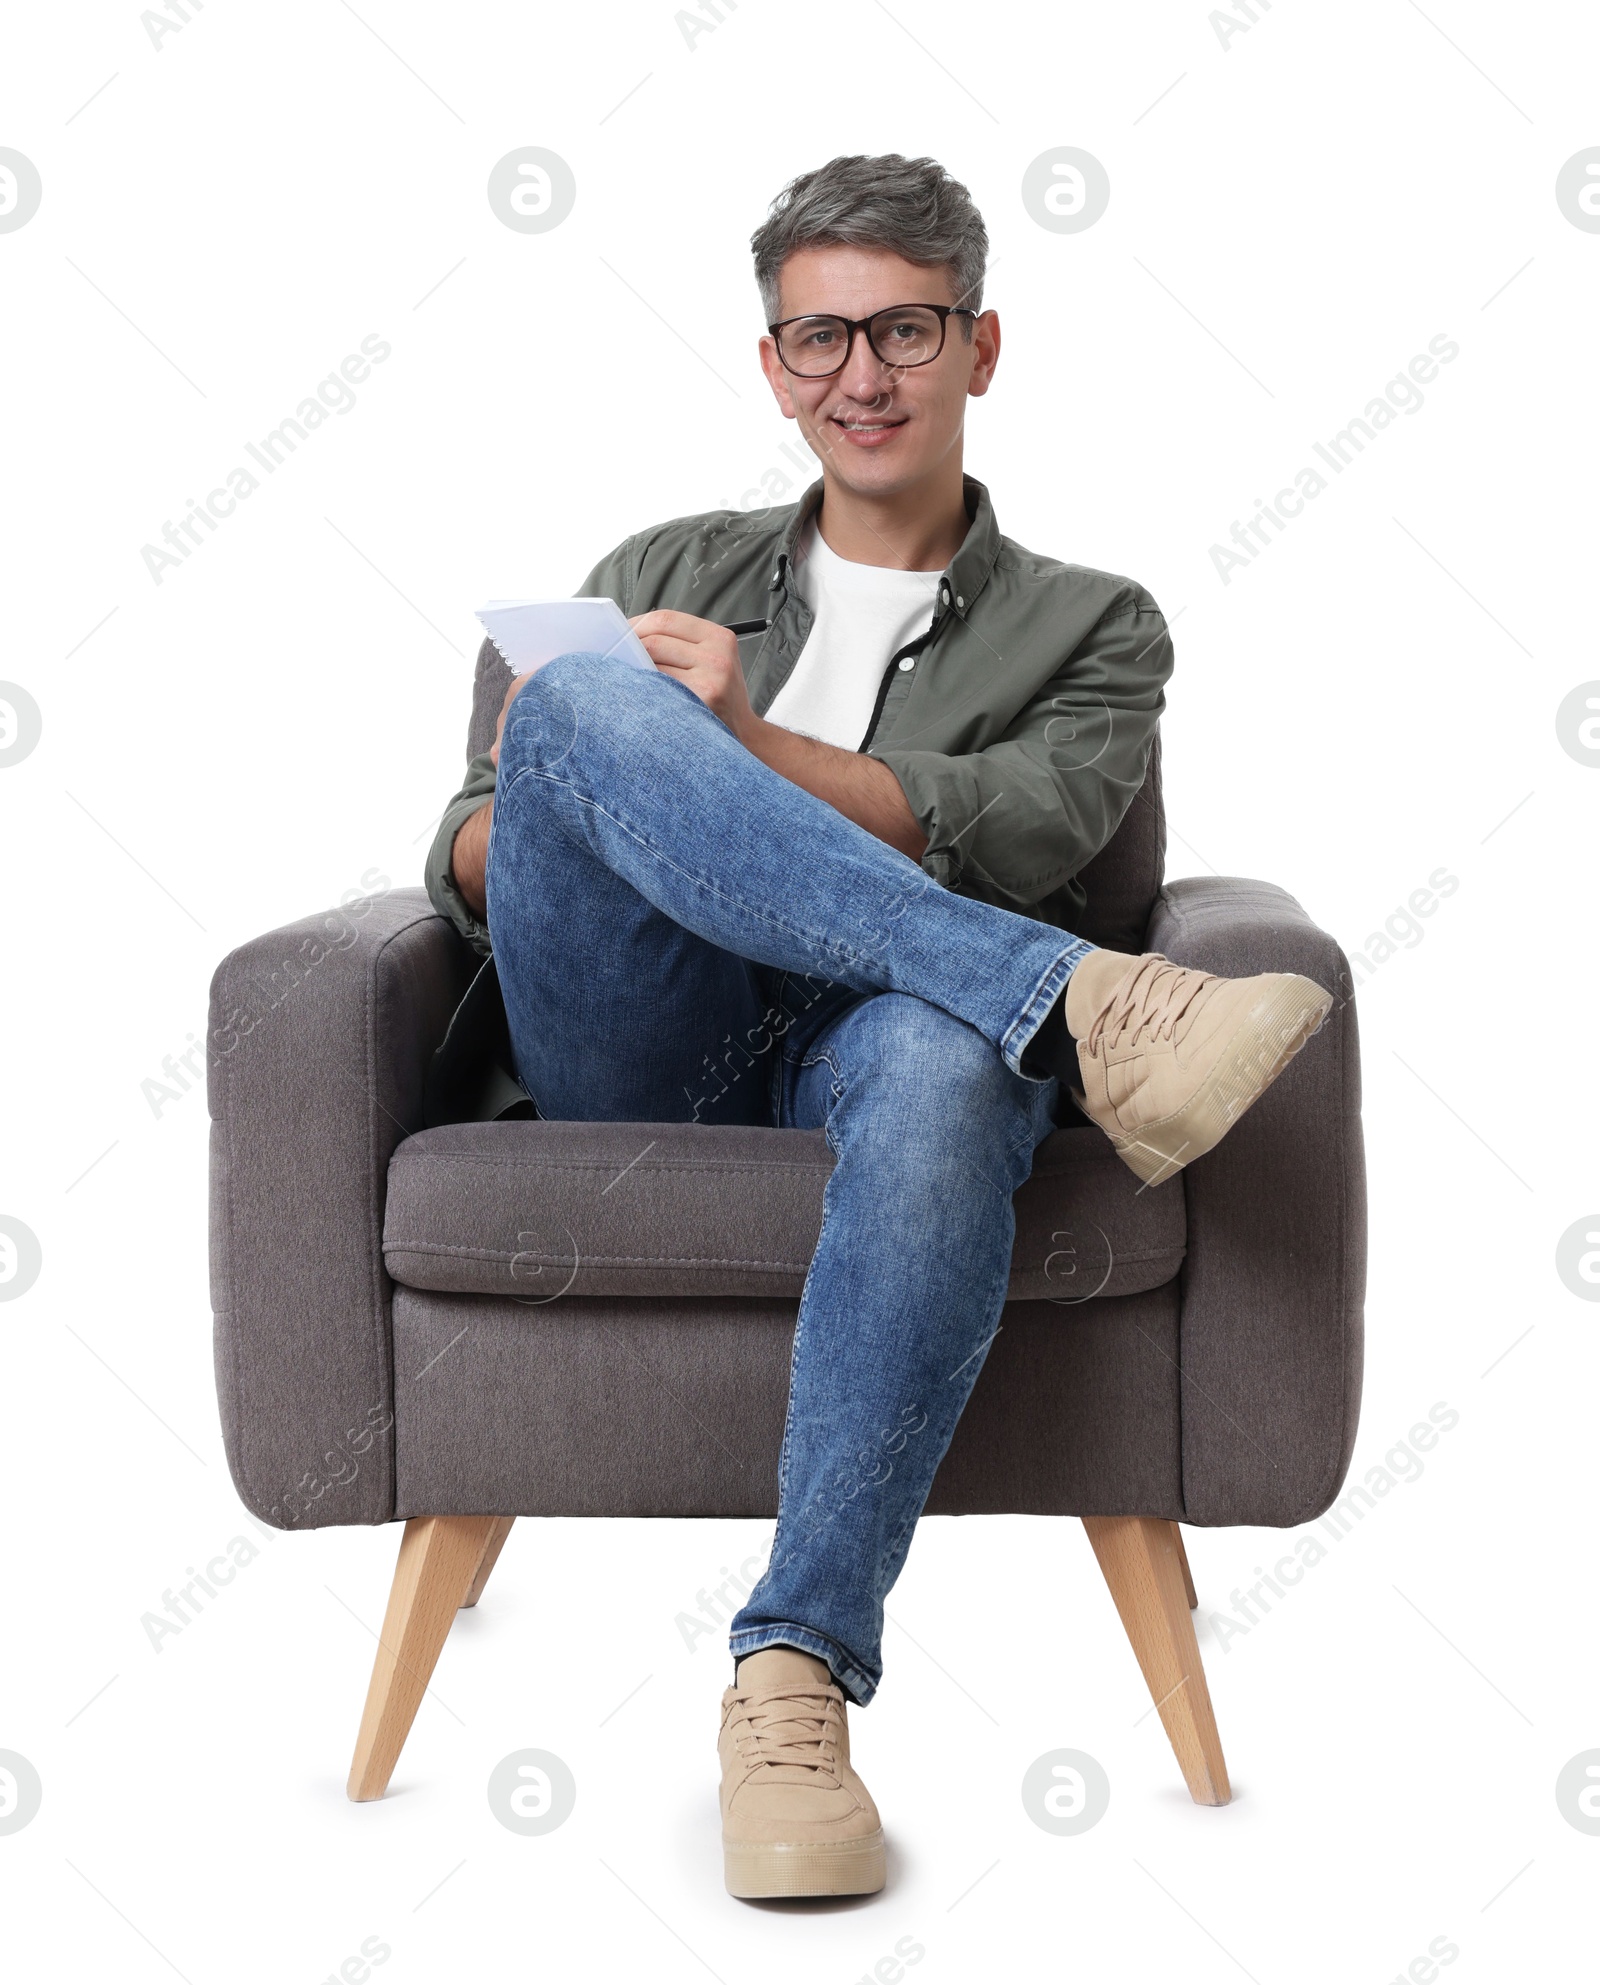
[(684, 935)]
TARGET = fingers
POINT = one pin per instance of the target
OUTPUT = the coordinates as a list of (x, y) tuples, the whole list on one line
[(670, 651), (675, 640), (667, 620)]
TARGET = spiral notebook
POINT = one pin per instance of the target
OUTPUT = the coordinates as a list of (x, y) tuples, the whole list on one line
[(529, 633)]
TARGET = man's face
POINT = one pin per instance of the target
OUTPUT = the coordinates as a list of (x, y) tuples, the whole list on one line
[(880, 429)]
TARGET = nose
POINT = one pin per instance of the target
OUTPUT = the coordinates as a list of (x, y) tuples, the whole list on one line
[(865, 376)]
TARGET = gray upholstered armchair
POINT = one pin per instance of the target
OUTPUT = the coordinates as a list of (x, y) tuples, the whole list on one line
[(454, 1326)]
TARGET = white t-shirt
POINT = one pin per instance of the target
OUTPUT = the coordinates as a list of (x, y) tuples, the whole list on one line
[(862, 615)]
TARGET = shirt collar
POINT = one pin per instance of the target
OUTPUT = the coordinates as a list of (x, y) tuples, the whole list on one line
[(965, 576)]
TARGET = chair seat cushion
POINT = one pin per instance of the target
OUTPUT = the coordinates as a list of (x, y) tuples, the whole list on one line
[(538, 1210)]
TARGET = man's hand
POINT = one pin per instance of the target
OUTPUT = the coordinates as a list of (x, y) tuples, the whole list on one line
[(706, 657), (703, 655)]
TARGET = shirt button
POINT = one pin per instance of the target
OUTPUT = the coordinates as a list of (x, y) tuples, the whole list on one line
[(960, 602), (907, 662)]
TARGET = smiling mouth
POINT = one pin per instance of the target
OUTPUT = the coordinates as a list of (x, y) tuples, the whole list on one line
[(876, 428)]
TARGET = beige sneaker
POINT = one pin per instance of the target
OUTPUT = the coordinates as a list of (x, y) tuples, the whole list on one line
[(796, 1820), (1171, 1057)]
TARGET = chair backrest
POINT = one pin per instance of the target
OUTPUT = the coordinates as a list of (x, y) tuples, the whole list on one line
[(1122, 881)]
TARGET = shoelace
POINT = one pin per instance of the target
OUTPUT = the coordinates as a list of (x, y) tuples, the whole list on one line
[(1156, 997), (814, 1708)]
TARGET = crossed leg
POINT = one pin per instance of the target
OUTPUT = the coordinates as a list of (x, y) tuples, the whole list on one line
[(642, 863), (655, 892)]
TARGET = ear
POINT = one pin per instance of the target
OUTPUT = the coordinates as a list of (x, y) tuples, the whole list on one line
[(985, 353), (777, 376)]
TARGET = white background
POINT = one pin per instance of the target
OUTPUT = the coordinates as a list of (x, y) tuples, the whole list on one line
[(1374, 697)]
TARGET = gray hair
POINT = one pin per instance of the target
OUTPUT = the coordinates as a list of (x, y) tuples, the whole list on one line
[(911, 206)]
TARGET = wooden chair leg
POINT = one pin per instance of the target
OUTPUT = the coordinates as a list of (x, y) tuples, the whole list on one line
[(1140, 1560), (439, 1559), (1183, 1559), (491, 1550)]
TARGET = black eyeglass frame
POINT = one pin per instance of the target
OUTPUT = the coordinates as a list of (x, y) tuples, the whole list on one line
[(943, 311)]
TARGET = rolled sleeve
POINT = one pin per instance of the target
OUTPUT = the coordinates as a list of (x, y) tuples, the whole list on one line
[(1017, 820), (443, 892)]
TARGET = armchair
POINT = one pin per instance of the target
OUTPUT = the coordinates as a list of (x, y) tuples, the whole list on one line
[(452, 1326)]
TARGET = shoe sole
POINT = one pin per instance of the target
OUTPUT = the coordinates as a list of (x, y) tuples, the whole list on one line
[(853, 1867), (1256, 1056)]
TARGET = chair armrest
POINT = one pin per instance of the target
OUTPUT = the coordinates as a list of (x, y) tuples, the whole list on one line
[(1270, 1326), (319, 1041)]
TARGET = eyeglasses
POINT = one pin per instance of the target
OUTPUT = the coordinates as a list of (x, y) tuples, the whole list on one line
[(905, 334)]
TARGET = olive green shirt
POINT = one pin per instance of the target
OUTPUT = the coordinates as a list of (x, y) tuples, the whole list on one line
[(1019, 722)]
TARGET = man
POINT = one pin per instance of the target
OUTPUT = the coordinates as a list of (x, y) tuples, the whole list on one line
[(820, 870)]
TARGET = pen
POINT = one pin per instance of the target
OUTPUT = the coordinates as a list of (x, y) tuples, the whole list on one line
[(746, 626)]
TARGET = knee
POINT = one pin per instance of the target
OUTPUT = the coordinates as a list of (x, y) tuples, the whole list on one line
[(553, 710), (582, 676), (580, 704), (575, 681)]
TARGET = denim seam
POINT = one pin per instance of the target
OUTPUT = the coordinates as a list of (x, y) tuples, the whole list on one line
[(908, 1523), (1024, 1143), (852, 1677), (1045, 993), (794, 1354), (813, 1056), (778, 987), (788, 1414), (998, 1289)]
